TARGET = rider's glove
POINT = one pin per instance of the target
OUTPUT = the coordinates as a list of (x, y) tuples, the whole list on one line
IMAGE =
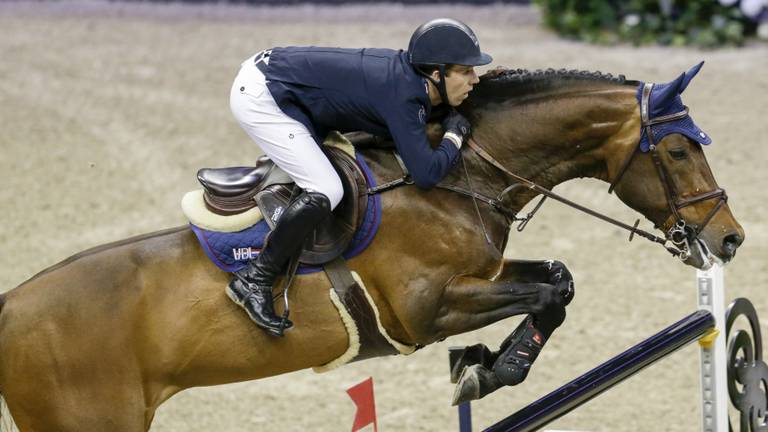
[(456, 128)]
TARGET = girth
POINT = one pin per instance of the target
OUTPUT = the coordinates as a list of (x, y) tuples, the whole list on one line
[(350, 293)]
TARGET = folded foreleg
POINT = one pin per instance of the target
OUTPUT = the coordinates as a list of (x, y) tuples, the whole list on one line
[(542, 289)]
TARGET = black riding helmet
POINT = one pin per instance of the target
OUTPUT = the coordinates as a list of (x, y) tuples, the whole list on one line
[(441, 42)]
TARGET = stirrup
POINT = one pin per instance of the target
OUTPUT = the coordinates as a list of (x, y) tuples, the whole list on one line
[(243, 298), (293, 266)]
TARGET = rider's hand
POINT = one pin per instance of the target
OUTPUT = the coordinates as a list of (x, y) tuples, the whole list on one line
[(456, 127)]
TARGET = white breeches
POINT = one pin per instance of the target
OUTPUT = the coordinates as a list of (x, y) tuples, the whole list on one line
[(286, 141)]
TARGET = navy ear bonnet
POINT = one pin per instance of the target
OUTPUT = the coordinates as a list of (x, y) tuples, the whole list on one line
[(665, 99)]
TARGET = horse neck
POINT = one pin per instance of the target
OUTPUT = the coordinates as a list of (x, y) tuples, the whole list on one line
[(554, 137)]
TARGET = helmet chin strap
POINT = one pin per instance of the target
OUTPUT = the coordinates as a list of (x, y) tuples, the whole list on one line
[(439, 84)]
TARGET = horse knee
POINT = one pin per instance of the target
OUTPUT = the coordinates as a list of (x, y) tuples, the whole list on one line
[(560, 277), (550, 306), (553, 297)]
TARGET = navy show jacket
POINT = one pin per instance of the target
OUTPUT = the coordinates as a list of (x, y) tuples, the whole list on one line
[(368, 89)]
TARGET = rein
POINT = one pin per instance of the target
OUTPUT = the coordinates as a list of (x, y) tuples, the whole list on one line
[(549, 194)]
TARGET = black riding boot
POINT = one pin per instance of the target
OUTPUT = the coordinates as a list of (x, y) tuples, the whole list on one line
[(251, 288)]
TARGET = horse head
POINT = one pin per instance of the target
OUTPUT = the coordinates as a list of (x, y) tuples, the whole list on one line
[(667, 178), (553, 126)]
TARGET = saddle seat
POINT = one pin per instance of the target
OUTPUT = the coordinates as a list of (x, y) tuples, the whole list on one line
[(231, 181), (233, 190)]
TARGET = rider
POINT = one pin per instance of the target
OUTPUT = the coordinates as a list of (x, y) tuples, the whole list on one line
[(288, 99)]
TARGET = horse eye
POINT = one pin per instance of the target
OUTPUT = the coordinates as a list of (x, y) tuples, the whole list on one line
[(678, 154)]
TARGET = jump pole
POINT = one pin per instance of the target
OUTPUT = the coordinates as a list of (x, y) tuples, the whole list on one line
[(603, 377)]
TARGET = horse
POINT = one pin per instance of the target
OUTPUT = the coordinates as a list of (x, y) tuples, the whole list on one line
[(113, 332)]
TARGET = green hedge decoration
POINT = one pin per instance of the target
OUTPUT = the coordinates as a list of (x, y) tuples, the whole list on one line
[(703, 23)]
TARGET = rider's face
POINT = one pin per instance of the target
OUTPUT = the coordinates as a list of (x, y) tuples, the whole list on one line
[(459, 81)]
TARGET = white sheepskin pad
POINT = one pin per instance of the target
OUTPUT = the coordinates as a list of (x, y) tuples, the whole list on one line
[(336, 139), (198, 214)]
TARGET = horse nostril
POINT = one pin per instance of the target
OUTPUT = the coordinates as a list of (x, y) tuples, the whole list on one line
[(731, 242)]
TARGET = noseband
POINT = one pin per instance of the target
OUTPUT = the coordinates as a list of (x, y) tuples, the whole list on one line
[(676, 232)]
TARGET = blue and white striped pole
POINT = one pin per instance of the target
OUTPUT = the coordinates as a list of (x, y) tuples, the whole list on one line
[(714, 384)]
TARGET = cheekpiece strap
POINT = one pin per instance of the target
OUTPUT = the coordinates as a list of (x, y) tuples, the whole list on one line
[(645, 106)]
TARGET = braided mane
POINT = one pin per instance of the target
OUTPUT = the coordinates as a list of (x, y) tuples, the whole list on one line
[(501, 83)]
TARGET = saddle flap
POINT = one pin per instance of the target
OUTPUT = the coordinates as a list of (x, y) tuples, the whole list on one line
[(333, 236), (272, 200)]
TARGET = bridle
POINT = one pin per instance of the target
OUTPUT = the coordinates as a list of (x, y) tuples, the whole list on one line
[(678, 232)]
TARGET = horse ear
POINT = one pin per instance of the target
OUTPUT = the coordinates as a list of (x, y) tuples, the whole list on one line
[(688, 76), (665, 94)]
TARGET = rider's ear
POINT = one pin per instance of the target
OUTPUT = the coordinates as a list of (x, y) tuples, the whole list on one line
[(435, 75)]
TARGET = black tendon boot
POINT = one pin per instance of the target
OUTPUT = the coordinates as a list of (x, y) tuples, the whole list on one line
[(251, 288), (520, 349), (518, 352)]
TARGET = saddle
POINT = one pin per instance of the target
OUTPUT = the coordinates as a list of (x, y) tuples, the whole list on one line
[(238, 190), (233, 190)]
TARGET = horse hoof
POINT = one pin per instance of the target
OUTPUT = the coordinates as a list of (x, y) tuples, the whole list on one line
[(461, 358), (475, 382), (467, 387)]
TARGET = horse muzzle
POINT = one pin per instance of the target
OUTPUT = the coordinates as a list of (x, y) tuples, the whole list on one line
[(702, 253), (731, 242)]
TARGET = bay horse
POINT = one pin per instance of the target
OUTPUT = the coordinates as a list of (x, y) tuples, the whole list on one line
[(100, 340)]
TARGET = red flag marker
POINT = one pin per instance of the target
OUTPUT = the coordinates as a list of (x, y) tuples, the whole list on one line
[(362, 396)]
